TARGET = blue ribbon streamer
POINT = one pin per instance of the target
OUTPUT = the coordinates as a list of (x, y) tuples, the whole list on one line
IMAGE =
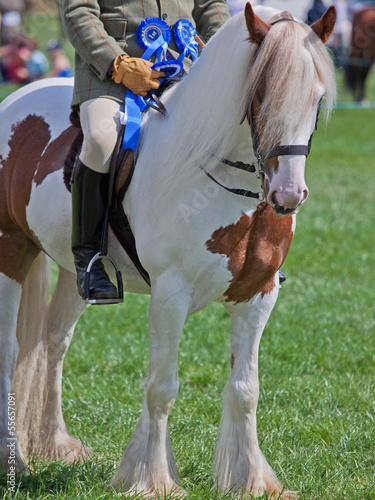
[(134, 105), (189, 50), (159, 46)]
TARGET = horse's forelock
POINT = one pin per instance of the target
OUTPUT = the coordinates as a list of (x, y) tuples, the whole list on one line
[(286, 67)]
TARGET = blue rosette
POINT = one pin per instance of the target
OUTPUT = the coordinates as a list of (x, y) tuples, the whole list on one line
[(169, 68), (153, 34), (184, 33)]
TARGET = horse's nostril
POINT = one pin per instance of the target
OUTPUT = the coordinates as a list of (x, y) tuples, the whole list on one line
[(274, 199), (305, 195)]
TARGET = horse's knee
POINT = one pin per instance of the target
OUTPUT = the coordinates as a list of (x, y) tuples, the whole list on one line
[(244, 395), (162, 395), (58, 341)]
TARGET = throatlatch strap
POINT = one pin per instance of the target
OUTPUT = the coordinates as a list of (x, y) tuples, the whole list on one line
[(241, 192)]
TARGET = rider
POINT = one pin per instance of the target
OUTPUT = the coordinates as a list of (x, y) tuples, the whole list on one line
[(107, 63)]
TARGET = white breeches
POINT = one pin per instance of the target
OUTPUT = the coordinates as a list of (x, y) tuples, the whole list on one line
[(100, 130)]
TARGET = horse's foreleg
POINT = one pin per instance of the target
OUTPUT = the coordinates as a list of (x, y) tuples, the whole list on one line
[(239, 464), (148, 465), (64, 311), (11, 458)]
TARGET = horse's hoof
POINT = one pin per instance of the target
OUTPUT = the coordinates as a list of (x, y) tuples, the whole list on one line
[(61, 446)]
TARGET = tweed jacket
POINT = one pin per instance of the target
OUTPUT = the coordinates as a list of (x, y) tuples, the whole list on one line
[(100, 30)]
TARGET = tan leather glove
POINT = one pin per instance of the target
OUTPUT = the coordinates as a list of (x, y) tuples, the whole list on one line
[(136, 74)]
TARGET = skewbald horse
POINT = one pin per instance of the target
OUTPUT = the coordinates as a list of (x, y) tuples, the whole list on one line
[(198, 241)]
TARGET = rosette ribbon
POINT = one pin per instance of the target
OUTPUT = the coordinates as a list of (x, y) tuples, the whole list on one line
[(153, 35), (184, 33)]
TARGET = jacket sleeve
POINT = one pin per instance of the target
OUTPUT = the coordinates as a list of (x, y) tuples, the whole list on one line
[(209, 16), (85, 31)]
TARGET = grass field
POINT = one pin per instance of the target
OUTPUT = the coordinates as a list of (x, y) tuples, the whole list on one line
[(316, 408)]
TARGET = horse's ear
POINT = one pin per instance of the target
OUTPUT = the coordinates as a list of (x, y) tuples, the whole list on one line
[(256, 27), (324, 27)]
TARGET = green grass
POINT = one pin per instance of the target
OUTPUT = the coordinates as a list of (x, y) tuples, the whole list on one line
[(316, 409), (317, 358)]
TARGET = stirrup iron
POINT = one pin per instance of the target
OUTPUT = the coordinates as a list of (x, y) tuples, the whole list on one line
[(120, 289)]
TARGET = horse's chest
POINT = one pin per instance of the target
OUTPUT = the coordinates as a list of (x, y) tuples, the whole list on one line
[(256, 247)]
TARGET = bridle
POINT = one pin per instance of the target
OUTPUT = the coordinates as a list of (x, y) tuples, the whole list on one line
[(261, 157), (257, 167), (283, 150)]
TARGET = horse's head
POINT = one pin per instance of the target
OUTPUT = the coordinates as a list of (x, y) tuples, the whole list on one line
[(290, 74)]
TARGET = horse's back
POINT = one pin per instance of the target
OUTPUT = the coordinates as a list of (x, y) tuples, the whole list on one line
[(49, 98)]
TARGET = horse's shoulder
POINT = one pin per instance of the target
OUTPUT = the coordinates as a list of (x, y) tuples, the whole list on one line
[(256, 246)]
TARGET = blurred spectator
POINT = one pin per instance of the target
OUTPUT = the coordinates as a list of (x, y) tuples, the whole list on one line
[(36, 62), (317, 10), (340, 39), (355, 6), (61, 66), (10, 26), (10, 19), (236, 6), (23, 62)]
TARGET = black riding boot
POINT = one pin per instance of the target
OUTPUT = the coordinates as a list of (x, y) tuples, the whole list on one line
[(89, 205)]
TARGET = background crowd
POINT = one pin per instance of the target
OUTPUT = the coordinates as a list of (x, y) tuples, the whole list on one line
[(22, 59)]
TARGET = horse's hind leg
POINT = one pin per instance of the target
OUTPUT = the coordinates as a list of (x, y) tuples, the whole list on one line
[(148, 465), (17, 253), (44, 332), (240, 465), (64, 311), (10, 296)]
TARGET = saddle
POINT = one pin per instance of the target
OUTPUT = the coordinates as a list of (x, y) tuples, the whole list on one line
[(120, 175)]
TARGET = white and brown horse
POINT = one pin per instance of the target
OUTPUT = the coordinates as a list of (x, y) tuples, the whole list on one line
[(198, 241)]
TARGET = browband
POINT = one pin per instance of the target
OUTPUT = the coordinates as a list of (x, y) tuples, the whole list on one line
[(282, 20)]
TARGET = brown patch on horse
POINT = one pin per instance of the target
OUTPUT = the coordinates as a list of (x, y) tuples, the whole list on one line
[(30, 159), (256, 248), (26, 145), (29, 140), (270, 166), (56, 154)]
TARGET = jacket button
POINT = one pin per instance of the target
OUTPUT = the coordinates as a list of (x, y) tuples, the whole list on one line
[(164, 16)]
